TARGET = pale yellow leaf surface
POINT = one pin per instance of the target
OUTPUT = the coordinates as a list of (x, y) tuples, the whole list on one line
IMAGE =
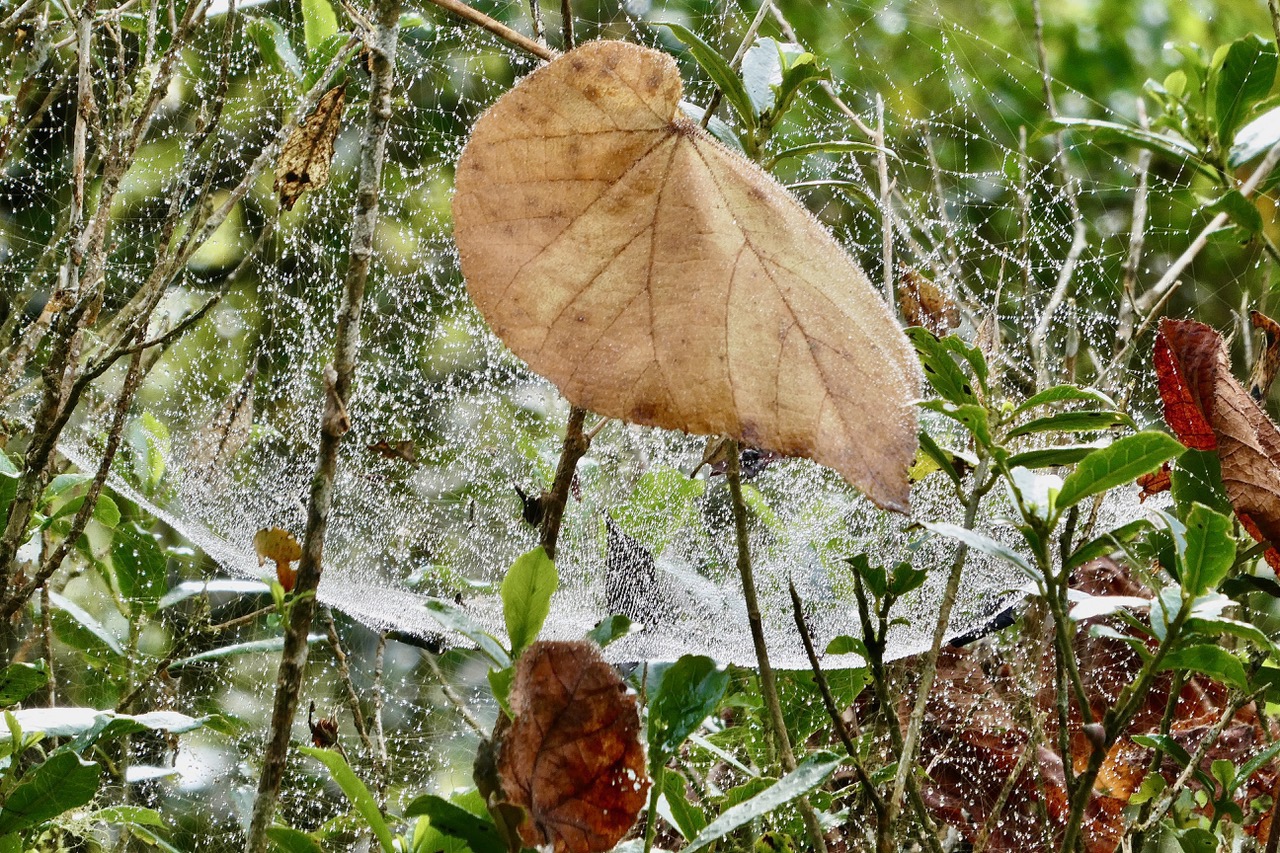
[(657, 277)]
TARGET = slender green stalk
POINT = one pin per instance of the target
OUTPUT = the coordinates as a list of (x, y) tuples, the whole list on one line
[(768, 685)]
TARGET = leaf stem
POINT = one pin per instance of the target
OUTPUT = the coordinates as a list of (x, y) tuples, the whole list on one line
[(768, 685), (334, 423), (576, 445)]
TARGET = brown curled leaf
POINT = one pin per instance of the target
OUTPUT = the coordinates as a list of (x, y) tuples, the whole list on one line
[(280, 547), (304, 160), (404, 450), (1155, 482), (1268, 360), (655, 276), (1207, 409), (925, 304), (572, 758)]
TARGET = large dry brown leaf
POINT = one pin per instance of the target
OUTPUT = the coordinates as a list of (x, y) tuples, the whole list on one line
[(304, 160), (655, 276), (1207, 409), (572, 758)]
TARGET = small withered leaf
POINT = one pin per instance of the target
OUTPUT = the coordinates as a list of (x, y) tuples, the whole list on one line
[(1268, 360), (304, 160), (572, 758), (404, 450), (280, 547), (925, 304)]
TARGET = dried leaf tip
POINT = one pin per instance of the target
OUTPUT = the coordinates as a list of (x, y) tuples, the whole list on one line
[(304, 160)]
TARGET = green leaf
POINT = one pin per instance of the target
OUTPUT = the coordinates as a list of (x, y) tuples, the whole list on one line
[(148, 443), (319, 58), (689, 818), (858, 191), (1240, 75), (1174, 146), (1197, 478), (1253, 765), (1243, 213), (1069, 422), (1214, 661), (940, 367), (500, 683), (61, 782), (1065, 394), (762, 74), (1197, 840), (834, 146), (20, 680), (81, 629), (716, 127), (809, 774), (985, 544), (526, 597), (1120, 462), (318, 23), (455, 619), (1051, 457), (1210, 552), (939, 456), (1108, 543), (128, 816), (905, 578), (1214, 626), (273, 644), (728, 82), (689, 693), (273, 44), (846, 645), (479, 834), (972, 417), (289, 840), (357, 793), (799, 66), (1165, 744), (610, 628), (141, 568), (1255, 139)]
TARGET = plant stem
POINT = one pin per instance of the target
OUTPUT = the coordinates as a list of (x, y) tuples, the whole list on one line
[(829, 702), (334, 422), (499, 29), (768, 686), (575, 447), (929, 664)]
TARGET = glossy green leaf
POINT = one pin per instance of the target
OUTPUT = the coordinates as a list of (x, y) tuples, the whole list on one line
[(128, 816), (1211, 660), (1065, 394), (318, 22), (1108, 543), (1160, 143), (1240, 211), (1123, 461), (1051, 457), (984, 544), (846, 645), (454, 618), (1072, 422), (479, 834), (526, 597), (809, 774), (716, 127), (357, 793), (1240, 75), (272, 42), (20, 680), (834, 146), (718, 69), (1255, 139), (858, 191), (80, 628), (61, 782), (500, 683), (689, 693), (940, 367), (689, 819), (972, 417), (610, 628), (1197, 478), (286, 839), (141, 568), (1214, 626), (251, 647), (1210, 551)]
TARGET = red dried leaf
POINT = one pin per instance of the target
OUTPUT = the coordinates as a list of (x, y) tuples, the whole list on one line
[(1208, 409), (572, 758), (1155, 482)]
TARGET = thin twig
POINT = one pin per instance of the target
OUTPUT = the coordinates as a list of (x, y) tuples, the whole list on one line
[(499, 29), (768, 686), (554, 500), (334, 422), (829, 702), (1160, 292), (1137, 236), (993, 815), (566, 24), (929, 663), (454, 699), (344, 675), (886, 207)]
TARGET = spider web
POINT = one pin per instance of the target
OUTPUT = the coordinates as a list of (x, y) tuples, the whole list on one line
[(233, 408)]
